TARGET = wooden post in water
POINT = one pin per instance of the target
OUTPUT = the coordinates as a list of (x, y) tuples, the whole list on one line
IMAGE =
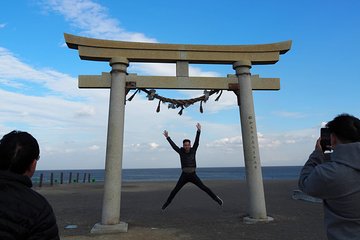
[(61, 178), (84, 178), (51, 179), (77, 177), (70, 177), (41, 179), (88, 177)]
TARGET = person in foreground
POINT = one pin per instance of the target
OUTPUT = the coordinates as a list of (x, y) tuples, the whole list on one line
[(24, 213), (337, 180), (188, 166)]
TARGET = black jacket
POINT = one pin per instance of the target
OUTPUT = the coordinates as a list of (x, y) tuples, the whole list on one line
[(187, 159), (24, 213)]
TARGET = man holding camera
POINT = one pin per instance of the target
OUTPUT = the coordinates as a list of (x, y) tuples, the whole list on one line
[(337, 180), (24, 213)]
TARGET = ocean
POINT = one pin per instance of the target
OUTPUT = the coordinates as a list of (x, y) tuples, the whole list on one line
[(162, 174)]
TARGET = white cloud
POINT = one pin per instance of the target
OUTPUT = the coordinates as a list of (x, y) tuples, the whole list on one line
[(12, 67), (93, 20), (153, 145), (156, 69), (15, 73), (94, 148), (195, 71), (287, 114), (288, 148), (69, 150), (229, 142), (8, 83), (265, 141), (85, 111)]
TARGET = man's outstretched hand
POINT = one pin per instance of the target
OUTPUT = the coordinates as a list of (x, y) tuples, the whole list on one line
[(198, 126), (166, 134)]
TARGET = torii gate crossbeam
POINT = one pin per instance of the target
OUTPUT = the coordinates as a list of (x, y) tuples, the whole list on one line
[(119, 54), (105, 50)]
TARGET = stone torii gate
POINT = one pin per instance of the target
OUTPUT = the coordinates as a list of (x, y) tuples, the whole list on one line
[(119, 54)]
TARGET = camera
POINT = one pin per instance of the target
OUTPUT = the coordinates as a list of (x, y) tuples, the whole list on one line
[(325, 140)]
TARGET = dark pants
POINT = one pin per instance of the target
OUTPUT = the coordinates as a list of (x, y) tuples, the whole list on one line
[(193, 178)]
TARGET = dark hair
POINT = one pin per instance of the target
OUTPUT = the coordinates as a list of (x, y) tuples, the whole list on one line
[(17, 151), (186, 140), (346, 128)]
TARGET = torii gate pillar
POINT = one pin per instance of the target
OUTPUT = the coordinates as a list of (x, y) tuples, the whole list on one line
[(256, 198), (110, 220)]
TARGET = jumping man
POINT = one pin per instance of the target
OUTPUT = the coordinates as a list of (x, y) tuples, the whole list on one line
[(188, 166)]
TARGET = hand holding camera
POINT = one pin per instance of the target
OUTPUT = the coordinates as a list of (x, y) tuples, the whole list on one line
[(325, 140)]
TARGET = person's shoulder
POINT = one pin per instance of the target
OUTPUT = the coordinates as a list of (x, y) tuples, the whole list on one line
[(39, 196), (332, 170), (329, 165), (23, 200), (33, 199)]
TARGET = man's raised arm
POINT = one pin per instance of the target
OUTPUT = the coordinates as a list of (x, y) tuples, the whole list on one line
[(172, 144), (197, 138)]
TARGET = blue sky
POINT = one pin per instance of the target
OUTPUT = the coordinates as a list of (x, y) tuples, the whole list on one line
[(319, 78)]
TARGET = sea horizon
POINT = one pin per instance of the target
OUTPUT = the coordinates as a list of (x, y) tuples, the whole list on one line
[(162, 174)]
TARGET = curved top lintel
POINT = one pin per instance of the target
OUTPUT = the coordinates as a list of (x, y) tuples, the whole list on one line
[(103, 50)]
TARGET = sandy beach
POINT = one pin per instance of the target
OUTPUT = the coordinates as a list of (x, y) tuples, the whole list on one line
[(192, 214)]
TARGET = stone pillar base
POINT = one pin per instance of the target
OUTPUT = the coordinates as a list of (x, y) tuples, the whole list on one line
[(115, 228), (249, 220)]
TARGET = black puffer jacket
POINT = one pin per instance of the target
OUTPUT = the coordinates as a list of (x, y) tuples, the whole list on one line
[(24, 213)]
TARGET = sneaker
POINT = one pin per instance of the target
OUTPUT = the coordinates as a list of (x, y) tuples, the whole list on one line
[(165, 205), (219, 201)]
